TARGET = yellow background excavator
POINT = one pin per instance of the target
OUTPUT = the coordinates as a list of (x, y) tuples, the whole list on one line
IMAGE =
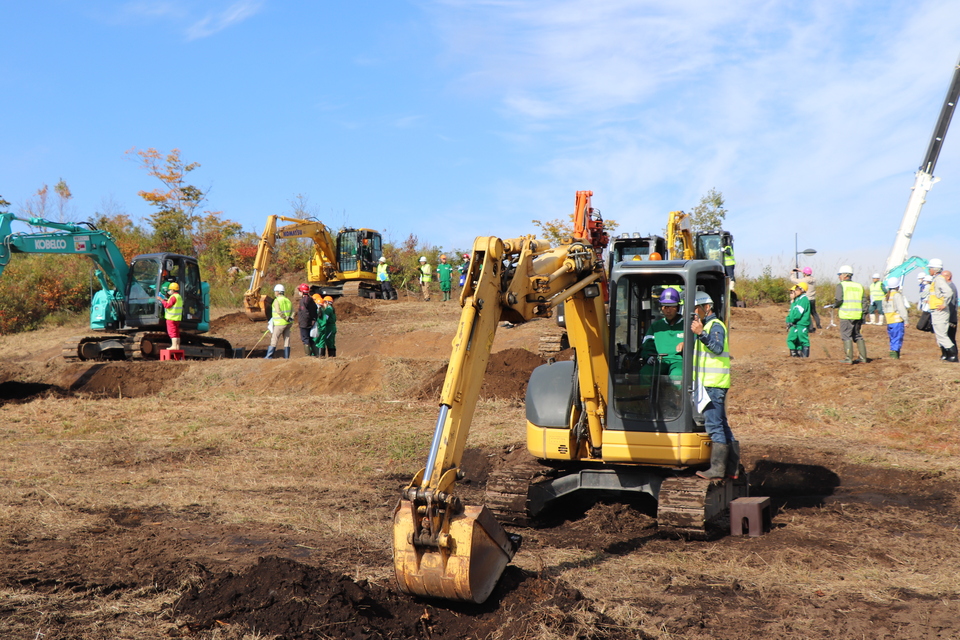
[(606, 422), (341, 266)]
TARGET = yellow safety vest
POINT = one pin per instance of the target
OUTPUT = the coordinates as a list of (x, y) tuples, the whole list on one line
[(282, 311), (382, 272), (425, 275), (728, 259), (852, 307), (713, 370), (175, 312), (876, 291)]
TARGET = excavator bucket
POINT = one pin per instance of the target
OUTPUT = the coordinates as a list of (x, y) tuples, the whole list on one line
[(466, 564), (258, 310)]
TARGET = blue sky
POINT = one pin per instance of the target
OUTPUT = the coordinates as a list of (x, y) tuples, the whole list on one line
[(450, 119)]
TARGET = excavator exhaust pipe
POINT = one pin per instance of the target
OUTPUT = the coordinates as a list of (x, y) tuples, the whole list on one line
[(463, 562)]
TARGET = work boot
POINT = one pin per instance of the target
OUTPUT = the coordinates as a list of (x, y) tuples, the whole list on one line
[(286, 353), (718, 462), (943, 353), (269, 355), (952, 354), (862, 347), (307, 350), (895, 355), (805, 352), (848, 352), (793, 353), (733, 460), (331, 352)]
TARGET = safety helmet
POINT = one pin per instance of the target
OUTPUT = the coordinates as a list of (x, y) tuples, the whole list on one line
[(174, 287), (317, 298), (423, 258), (845, 269), (703, 298), (327, 299), (466, 256), (443, 257), (935, 263), (802, 286), (279, 289), (893, 282), (303, 288), (670, 297), (875, 276), (807, 271), (382, 259), (921, 276), (928, 278), (656, 256)]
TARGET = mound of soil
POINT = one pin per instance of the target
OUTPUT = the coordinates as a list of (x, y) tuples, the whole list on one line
[(296, 601), (231, 320), (347, 310), (508, 372), (121, 379)]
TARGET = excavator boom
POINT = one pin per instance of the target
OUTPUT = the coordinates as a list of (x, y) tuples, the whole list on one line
[(443, 548)]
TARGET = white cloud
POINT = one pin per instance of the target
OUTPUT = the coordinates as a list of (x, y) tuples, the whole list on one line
[(216, 22)]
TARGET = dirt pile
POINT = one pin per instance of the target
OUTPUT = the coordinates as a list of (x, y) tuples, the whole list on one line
[(294, 601), (508, 372)]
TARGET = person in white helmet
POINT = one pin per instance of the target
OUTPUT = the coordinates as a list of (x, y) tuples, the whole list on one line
[(426, 276), (952, 327), (895, 313), (383, 277), (877, 291), (281, 321), (939, 300), (851, 304)]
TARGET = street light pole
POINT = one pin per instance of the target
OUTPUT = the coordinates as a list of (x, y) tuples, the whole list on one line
[(796, 253)]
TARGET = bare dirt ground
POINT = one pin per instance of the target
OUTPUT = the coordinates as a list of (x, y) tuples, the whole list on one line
[(246, 499)]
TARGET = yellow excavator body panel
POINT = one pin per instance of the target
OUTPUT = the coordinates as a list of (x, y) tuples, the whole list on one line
[(660, 449)]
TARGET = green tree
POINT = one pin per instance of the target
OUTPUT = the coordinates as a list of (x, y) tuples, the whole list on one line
[(177, 204), (709, 214), (555, 231)]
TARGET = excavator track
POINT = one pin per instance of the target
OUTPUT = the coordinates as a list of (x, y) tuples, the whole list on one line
[(82, 348), (690, 507), (147, 345), (508, 487)]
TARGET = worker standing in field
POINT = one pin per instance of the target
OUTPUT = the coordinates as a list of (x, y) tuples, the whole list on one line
[(281, 320), (806, 275), (464, 268), (877, 291), (383, 277), (952, 327), (939, 300), (326, 329), (729, 261), (306, 318), (851, 306), (426, 276), (895, 313), (445, 277), (173, 313), (798, 322), (712, 371)]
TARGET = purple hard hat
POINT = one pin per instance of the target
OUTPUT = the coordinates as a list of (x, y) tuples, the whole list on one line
[(670, 297)]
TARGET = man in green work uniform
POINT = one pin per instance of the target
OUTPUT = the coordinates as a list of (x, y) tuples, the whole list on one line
[(851, 306), (661, 350), (445, 277), (798, 321)]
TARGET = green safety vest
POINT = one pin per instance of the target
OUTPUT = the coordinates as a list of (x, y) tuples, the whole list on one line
[(175, 312), (382, 272), (852, 307), (714, 369), (728, 259), (876, 291), (425, 275), (282, 311)]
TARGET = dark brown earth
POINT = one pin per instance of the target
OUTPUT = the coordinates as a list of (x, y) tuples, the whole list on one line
[(864, 493)]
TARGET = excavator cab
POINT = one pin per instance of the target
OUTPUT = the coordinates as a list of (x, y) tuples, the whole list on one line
[(151, 274), (358, 251), (709, 245)]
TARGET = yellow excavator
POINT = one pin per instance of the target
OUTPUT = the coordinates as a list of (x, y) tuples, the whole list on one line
[(341, 266), (680, 236), (607, 421)]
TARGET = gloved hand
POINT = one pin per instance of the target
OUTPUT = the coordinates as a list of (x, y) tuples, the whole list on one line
[(828, 306), (651, 360)]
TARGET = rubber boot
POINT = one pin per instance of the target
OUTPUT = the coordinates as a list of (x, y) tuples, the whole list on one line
[(733, 461), (286, 353), (332, 352), (862, 347), (307, 350), (718, 462), (793, 353), (895, 355), (269, 355), (805, 352), (952, 354), (943, 353), (848, 352)]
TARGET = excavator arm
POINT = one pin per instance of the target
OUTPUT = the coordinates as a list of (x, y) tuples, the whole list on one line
[(679, 232), (320, 268), (69, 239), (443, 548)]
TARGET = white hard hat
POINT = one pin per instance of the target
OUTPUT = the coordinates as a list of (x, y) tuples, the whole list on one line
[(921, 276), (928, 278), (279, 289), (382, 259), (703, 298), (893, 282), (876, 275), (423, 259), (845, 269), (935, 263)]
